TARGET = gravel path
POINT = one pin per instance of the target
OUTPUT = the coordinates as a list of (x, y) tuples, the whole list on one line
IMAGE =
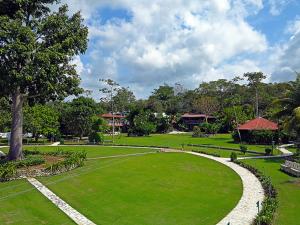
[(62, 205), (283, 149), (246, 210)]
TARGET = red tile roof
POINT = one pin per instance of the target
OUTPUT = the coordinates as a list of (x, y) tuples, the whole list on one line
[(109, 115), (195, 115), (259, 124)]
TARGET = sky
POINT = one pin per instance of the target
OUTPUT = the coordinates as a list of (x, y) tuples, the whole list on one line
[(142, 44)]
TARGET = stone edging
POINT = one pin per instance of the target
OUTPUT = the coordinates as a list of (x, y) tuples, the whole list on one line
[(246, 210), (77, 217)]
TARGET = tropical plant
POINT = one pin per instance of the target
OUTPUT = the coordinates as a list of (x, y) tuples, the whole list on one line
[(290, 108)]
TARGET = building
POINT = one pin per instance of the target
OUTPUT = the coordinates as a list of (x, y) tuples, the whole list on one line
[(194, 119), (258, 124), (248, 134), (119, 120)]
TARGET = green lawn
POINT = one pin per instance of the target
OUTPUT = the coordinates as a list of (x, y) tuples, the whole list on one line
[(288, 191), (162, 188), (92, 151), (176, 141), (20, 203)]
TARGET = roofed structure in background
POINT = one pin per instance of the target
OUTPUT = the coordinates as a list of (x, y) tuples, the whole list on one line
[(110, 116), (259, 124), (195, 119), (196, 115), (119, 119)]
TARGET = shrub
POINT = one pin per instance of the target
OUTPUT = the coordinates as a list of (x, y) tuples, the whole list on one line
[(7, 171), (243, 149), (96, 137), (62, 141), (268, 151), (197, 132), (233, 157), (30, 160), (74, 160)]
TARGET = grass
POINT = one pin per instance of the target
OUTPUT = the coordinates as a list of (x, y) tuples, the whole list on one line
[(176, 141), (92, 151), (20, 203), (288, 190), (164, 188)]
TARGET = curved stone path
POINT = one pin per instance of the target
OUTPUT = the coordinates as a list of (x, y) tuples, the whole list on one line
[(246, 210)]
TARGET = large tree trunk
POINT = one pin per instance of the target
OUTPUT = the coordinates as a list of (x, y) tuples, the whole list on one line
[(15, 151)]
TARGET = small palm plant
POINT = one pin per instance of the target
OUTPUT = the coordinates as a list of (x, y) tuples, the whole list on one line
[(290, 108)]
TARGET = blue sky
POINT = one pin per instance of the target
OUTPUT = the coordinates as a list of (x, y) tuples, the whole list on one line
[(142, 44)]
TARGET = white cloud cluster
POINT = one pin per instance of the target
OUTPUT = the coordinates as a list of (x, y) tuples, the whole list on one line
[(170, 41), (276, 6), (286, 58)]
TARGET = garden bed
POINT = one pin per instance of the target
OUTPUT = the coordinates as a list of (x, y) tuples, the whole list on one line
[(36, 163)]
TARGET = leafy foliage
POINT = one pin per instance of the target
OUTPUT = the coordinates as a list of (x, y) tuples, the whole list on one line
[(78, 116), (140, 123), (74, 160), (41, 120)]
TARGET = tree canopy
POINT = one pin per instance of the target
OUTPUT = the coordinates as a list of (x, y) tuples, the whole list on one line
[(37, 47)]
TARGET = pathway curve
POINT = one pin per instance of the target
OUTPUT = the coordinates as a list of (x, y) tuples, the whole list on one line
[(283, 149), (55, 144), (77, 217), (246, 210)]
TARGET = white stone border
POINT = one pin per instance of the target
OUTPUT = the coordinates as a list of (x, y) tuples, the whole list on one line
[(77, 217), (246, 210)]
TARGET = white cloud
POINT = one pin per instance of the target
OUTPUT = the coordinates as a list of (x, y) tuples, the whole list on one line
[(276, 6), (285, 58), (170, 41)]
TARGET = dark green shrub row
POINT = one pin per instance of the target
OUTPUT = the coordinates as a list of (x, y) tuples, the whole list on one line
[(270, 204), (207, 153), (224, 148), (73, 160)]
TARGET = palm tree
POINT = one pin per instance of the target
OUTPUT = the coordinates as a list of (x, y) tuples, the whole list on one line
[(290, 108)]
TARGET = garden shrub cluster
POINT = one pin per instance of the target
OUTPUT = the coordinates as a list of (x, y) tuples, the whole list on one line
[(9, 170), (72, 161), (96, 137), (270, 204), (243, 149)]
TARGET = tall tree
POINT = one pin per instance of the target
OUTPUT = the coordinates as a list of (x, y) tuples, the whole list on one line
[(41, 120), (5, 115), (78, 116), (255, 82), (124, 99), (110, 89), (206, 105), (36, 50)]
